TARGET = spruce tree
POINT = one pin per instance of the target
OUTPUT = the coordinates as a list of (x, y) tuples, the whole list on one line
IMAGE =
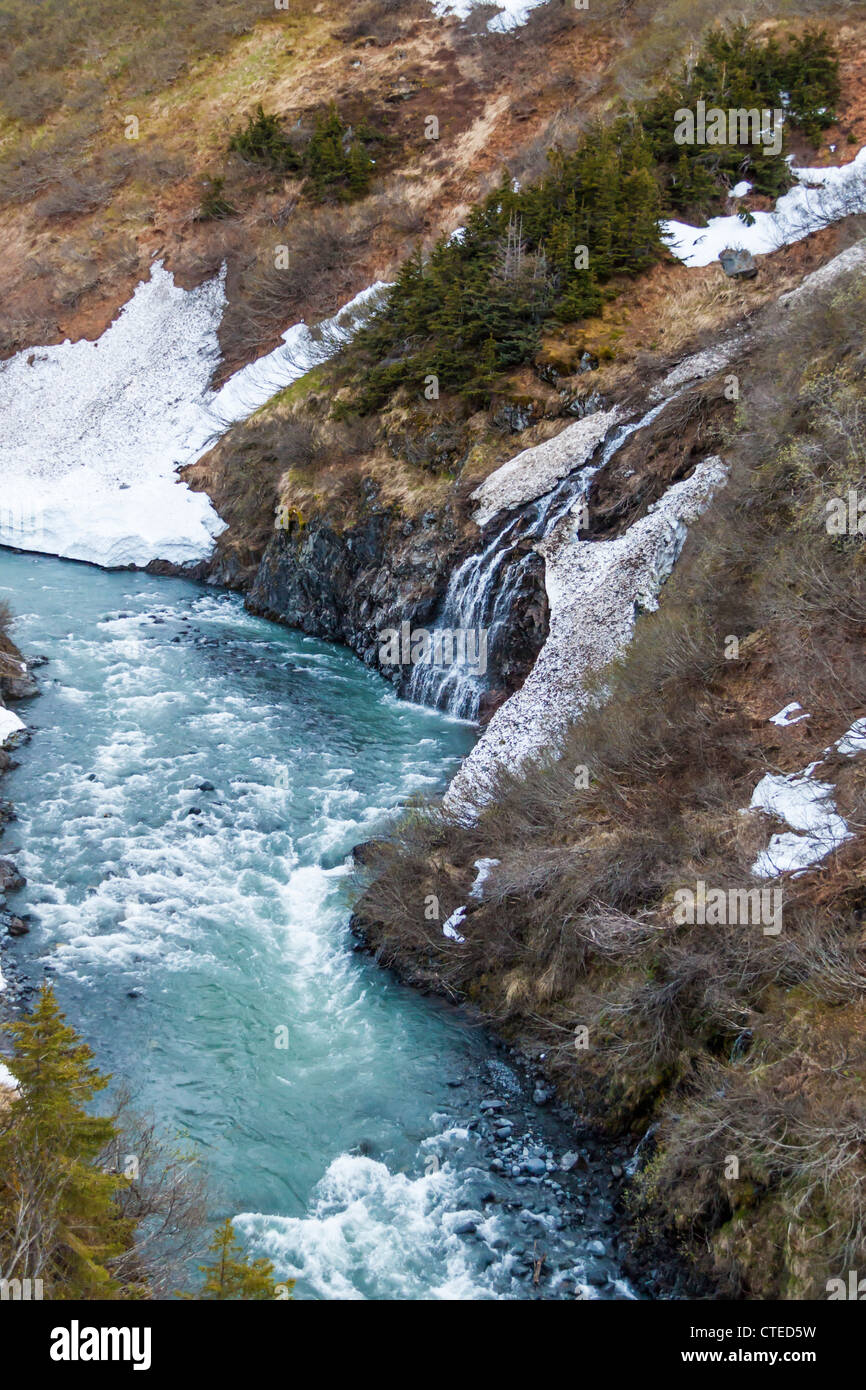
[(59, 1221), (231, 1275)]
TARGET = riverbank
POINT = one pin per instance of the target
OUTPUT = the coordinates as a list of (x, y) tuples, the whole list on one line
[(528, 1129), (607, 905), (17, 684)]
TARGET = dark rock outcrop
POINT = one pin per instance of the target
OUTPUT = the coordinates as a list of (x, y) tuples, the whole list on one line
[(351, 584)]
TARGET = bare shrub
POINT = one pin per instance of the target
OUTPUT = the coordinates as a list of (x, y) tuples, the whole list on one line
[(320, 247), (166, 1197), (73, 196), (32, 100), (551, 21)]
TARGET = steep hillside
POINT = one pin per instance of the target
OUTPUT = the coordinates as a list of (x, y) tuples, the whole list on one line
[(670, 912)]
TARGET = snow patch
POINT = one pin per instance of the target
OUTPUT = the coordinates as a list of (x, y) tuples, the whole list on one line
[(10, 725), (483, 867), (94, 432), (536, 471), (476, 892), (512, 13), (820, 197), (696, 367), (807, 806), (449, 928), (302, 349), (789, 715)]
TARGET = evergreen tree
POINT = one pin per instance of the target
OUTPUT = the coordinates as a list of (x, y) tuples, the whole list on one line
[(336, 162), (477, 306), (59, 1221), (738, 71), (232, 1275), (263, 141)]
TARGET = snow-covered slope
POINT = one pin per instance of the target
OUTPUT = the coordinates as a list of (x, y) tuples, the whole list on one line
[(93, 433)]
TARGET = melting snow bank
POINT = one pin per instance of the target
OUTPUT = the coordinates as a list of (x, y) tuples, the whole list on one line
[(10, 725), (253, 386), (537, 470), (807, 806), (820, 197), (512, 13), (93, 433), (596, 589)]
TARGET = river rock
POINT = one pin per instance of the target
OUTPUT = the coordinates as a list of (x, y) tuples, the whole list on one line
[(10, 879), (535, 1167), (465, 1228)]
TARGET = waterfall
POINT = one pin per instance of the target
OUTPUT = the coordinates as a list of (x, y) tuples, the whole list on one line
[(481, 591)]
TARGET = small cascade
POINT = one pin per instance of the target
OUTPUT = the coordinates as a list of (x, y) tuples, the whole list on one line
[(481, 592), (480, 597)]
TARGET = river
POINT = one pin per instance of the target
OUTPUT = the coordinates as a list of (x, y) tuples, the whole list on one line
[(196, 780)]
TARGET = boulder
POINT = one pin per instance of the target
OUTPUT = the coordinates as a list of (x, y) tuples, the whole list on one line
[(738, 264)]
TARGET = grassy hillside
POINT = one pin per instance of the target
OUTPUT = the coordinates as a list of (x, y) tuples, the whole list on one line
[(111, 147)]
